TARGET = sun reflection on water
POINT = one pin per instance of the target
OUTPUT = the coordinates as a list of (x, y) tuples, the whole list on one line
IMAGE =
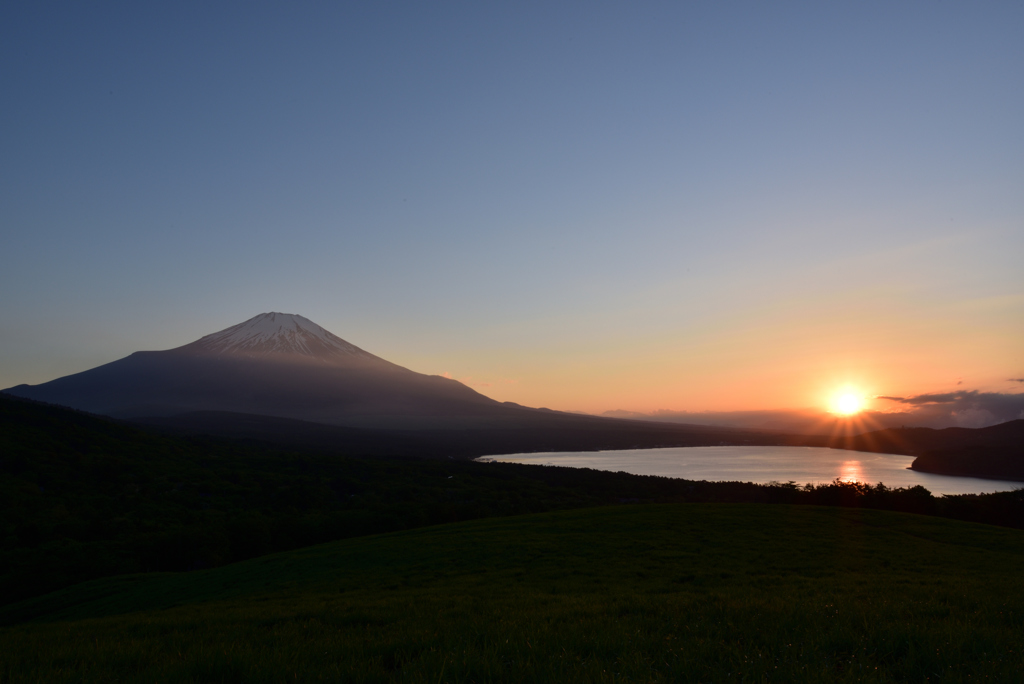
[(851, 471)]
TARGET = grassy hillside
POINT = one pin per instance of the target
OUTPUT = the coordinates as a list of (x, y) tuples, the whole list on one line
[(691, 592), (83, 497)]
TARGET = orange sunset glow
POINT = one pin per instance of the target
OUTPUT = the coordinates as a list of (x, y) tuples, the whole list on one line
[(833, 253), (493, 340)]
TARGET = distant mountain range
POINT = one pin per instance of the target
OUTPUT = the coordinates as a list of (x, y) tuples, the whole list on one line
[(804, 421), (282, 378), (960, 408), (274, 364)]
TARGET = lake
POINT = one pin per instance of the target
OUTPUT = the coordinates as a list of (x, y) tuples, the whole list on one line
[(763, 464)]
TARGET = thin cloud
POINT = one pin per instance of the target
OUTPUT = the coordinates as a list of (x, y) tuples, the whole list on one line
[(1016, 379), (920, 399)]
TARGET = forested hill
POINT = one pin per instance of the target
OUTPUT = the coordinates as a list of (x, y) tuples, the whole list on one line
[(995, 452), (916, 441)]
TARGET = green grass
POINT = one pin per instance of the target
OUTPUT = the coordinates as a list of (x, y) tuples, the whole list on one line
[(688, 592), (83, 498)]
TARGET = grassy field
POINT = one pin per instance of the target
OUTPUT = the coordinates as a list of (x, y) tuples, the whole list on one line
[(83, 497), (687, 592)]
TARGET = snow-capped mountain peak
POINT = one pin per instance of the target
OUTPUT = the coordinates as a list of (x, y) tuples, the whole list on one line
[(275, 334)]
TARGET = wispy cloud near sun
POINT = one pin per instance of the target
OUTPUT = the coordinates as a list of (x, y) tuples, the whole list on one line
[(968, 408)]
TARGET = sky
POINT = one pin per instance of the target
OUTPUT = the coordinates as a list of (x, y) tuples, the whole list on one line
[(583, 206)]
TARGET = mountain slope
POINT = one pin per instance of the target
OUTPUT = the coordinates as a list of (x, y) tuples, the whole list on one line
[(273, 364)]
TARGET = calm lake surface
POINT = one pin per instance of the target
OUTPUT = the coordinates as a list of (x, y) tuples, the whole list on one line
[(764, 464)]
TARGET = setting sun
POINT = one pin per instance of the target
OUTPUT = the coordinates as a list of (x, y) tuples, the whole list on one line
[(847, 404)]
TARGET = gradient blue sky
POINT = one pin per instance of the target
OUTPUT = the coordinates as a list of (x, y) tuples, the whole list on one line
[(579, 205)]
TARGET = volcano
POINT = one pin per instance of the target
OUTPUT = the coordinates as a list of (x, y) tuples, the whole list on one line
[(274, 364)]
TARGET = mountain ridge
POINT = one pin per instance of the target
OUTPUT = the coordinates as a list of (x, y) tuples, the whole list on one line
[(272, 364)]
